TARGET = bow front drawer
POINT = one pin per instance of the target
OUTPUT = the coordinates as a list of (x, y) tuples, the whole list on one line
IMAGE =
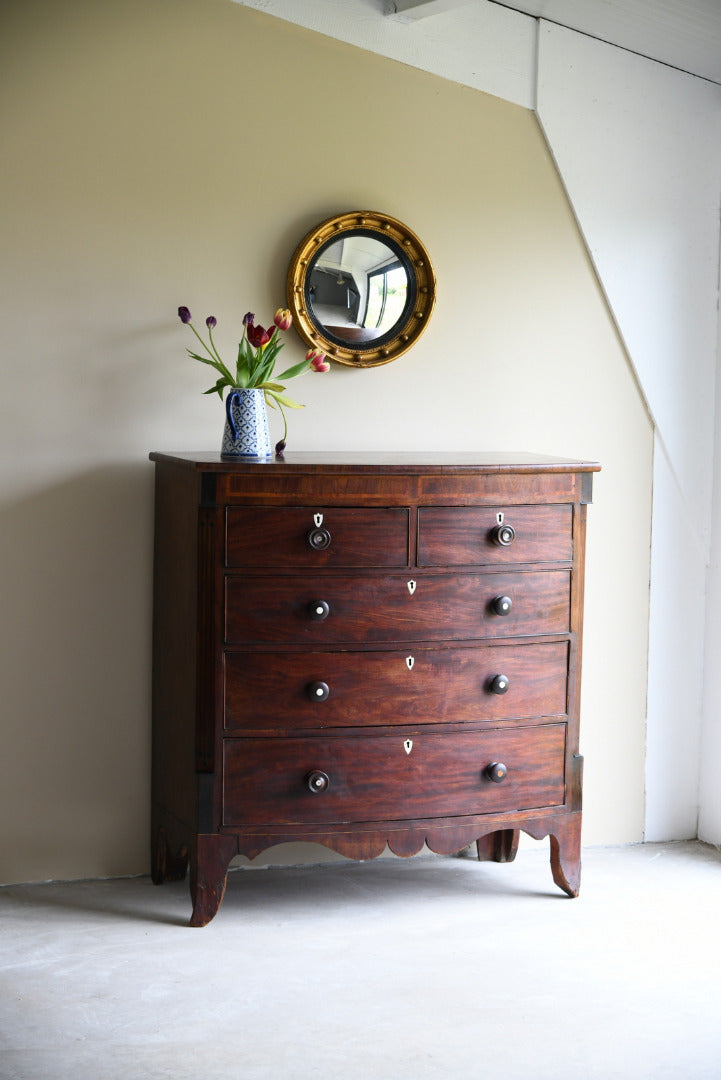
[(272, 691), (324, 780), (315, 537), (457, 535), (387, 607)]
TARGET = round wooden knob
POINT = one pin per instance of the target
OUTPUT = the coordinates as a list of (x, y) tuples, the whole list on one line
[(319, 539), (318, 610), (317, 781), (503, 535), (318, 691), (502, 605), (496, 771), (499, 684)]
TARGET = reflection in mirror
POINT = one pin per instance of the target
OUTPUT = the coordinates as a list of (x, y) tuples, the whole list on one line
[(361, 288), (357, 288)]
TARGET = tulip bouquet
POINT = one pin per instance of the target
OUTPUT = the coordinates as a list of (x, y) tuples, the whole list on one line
[(257, 354)]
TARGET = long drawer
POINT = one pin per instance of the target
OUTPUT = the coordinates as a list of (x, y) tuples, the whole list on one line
[(271, 691), (433, 607), (390, 777)]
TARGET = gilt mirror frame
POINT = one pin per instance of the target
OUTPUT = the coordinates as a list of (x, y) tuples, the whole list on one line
[(405, 254)]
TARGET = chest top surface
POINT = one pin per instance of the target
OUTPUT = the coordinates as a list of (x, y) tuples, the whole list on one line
[(384, 461)]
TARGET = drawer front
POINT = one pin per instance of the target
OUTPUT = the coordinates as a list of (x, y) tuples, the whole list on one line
[(316, 537), (267, 691), (382, 608), (456, 535), (374, 778)]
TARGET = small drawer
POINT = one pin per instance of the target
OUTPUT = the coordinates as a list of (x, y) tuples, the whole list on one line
[(467, 535), (406, 775), (270, 691), (385, 607), (316, 537)]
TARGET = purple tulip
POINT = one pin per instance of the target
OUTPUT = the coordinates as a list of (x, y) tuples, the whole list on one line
[(248, 319), (211, 322), (184, 314), (279, 448)]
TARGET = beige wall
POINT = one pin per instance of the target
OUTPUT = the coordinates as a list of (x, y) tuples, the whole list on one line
[(174, 153)]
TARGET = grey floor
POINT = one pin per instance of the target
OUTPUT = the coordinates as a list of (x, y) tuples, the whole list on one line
[(394, 969)]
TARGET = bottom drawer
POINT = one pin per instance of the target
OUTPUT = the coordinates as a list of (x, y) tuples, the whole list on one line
[(396, 776)]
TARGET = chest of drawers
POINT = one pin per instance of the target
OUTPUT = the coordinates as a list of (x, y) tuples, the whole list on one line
[(364, 651)]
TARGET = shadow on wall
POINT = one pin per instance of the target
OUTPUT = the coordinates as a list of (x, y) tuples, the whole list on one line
[(76, 571)]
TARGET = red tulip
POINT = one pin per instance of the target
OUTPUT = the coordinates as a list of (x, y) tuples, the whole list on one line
[(258, 336)]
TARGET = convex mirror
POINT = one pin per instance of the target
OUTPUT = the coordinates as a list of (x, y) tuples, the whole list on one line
[(361, 288)]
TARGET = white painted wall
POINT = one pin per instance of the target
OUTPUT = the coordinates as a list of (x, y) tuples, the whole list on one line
[(638, 146), (710, 797)]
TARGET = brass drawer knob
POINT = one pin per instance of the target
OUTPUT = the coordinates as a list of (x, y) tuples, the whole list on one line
[(496, 771), (317, 781), (318, 691)]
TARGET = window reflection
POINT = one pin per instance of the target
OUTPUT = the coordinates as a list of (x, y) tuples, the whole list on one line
[(387, 293)]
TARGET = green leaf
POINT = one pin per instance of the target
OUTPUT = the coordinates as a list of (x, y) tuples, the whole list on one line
[(297, 369), (217, 364), (242, 369), (218, 388), (265, 368), (204, 360), (283, 400)]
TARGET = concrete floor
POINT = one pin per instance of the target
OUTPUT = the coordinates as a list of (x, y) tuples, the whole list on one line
[(437, 968)]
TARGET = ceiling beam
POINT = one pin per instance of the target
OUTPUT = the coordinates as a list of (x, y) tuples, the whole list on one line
[(420, 9)]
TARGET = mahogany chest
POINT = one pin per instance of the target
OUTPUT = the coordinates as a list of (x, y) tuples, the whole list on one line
[(365, 650)]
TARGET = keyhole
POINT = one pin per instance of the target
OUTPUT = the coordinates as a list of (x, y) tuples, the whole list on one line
[(410, 661), (411, 587), (408, 745)]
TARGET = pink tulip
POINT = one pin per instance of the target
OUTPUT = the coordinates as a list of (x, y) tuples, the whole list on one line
[(283, 319), (317, 360)]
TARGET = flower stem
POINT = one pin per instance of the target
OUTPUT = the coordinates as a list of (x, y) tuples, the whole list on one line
[(215, 358), (212, 345)]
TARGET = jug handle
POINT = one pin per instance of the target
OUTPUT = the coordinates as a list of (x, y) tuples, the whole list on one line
[(232, 396)]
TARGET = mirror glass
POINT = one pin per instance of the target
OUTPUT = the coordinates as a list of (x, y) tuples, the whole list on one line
[(361, 288)]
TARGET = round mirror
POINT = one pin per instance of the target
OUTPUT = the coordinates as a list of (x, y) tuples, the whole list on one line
[(361, 288)]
